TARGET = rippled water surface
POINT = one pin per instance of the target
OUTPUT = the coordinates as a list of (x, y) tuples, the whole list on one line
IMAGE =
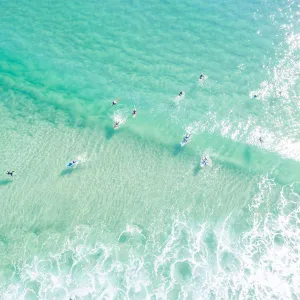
[(139, 218)]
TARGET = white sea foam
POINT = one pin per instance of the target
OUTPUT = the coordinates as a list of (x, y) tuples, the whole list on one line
[(194, 260)]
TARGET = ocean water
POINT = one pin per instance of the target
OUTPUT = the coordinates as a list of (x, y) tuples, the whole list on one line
[(138, 218)]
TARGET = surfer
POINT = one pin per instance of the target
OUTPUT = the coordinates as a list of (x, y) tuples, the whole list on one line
[(116, 125), (205, 161), (72, 163), (261, 140), (181, 93), (201, 77), (115, 102), (187, 136), (134, 112), (10, 173), (185, 139)]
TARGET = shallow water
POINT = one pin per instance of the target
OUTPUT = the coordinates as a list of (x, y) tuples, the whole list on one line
[(138, 218)]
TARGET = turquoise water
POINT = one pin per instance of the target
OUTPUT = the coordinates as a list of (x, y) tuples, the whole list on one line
[(138, 218)]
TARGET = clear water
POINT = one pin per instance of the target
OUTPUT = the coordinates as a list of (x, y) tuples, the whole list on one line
[(138, 218)]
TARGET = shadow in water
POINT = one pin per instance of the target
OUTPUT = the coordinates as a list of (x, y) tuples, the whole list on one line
[(177, 149), (197, 169), (6, 181), (109, 132), (66, 172)]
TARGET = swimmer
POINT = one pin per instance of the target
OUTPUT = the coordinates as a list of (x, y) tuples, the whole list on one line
[(204, 161), (115, 102), (10, 173), (134, 112), (181, 93), (187, 136), (116, 125), (185, 139), (256, 95), (72, 163)]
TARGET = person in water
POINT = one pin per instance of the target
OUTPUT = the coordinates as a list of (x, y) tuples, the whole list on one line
[(201, 77), (134, 112), (256, 95), (10, 173), (116, 125), (186, 137), (261, 140), (115, 102), (181, 93)]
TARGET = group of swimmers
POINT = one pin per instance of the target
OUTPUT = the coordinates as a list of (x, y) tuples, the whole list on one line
[(134, 112), (187, 136), (184, 141), (74, 162), (117, 123), (259, 94)]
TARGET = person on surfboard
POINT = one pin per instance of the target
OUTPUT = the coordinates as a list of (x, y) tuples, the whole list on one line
[(115, 102), (116, 125)]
